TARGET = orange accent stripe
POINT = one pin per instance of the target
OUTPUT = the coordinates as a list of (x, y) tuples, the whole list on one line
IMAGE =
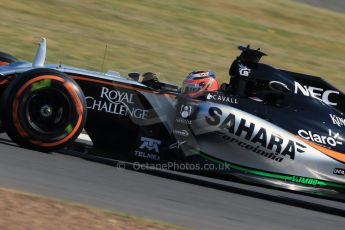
[(3, 81), (331, 153), (16, 120), (3, 63), (79, 108), (119, 85), (70, 88), (75, 99)]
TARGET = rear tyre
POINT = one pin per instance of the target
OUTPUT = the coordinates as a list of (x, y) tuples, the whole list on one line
[(43, 109), (6, 58)]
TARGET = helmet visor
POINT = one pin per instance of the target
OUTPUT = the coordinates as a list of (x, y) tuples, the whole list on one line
[(190, 88)]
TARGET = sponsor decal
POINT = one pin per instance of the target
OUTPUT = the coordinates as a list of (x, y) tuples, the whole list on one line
[(116, 102), (305, 180), (318, 93), (146, 155), (177, 145), (221, 98), (183, 121), (200, 74), (253, 148), (338, 171), (150, 145), (244, 70), (339, 121), (332, 139), (183, 132), (186, 111), (259, 136)]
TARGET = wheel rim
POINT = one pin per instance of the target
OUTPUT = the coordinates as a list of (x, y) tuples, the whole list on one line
[(47, 111)]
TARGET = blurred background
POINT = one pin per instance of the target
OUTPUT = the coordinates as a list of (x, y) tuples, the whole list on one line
[(174, 37)]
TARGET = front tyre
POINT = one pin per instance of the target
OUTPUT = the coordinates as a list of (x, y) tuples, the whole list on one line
[(5, 59), (43, 109)]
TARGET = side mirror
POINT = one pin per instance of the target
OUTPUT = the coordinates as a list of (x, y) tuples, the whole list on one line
[(134, 75), (278, 86)]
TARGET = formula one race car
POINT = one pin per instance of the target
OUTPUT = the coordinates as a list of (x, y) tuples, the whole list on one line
[(288, 134)]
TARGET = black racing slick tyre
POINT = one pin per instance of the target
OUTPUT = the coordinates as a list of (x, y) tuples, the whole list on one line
[(6, 58), (43, 109)]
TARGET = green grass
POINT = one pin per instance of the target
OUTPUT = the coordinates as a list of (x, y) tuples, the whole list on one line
[(173, 37)]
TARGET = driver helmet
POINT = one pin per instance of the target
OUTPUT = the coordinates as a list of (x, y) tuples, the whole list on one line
[(198, 82)]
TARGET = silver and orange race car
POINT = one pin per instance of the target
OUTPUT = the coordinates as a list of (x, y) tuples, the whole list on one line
[(289, 133)]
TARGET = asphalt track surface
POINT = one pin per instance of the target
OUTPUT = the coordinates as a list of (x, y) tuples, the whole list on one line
[(189, 201), (335, 5)]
